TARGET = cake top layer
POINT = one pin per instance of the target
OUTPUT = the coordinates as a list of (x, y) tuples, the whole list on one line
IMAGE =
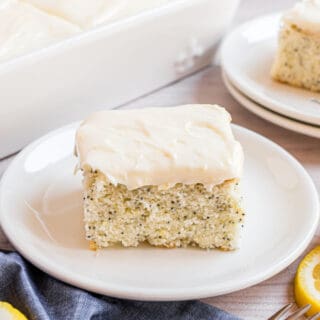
[(306, 15), (24, 28), (161, 146), (90, 13)]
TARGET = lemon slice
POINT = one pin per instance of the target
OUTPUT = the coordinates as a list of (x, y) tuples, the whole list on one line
[(8, 312), (307, 282)]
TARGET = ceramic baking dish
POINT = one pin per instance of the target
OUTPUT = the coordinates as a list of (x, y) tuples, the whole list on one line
[(106, 67)]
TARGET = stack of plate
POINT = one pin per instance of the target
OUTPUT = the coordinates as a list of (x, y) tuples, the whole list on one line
[(246, 57)]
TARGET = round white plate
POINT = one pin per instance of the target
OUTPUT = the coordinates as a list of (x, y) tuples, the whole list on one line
[(40, 212), (246, 57), (290, 124)]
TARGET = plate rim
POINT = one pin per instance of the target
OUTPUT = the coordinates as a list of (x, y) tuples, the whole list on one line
[(162, 294), (257, 95), (268, 115)]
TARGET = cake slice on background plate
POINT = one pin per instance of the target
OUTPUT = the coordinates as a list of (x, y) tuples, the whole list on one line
[(297, 60), (166, 176)]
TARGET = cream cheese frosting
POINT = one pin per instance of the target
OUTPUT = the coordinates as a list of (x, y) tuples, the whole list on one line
[(24, 28), (161, 146), (28, 25), (306, 15), (90, 13)]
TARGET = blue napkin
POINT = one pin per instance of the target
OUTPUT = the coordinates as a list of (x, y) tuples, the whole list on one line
[(41, 297)]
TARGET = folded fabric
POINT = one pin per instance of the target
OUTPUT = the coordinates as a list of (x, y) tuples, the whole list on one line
[(42, 297)]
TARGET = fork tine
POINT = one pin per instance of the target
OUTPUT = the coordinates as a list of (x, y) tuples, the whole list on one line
[(281, 312), (314, 317), (298, 313)]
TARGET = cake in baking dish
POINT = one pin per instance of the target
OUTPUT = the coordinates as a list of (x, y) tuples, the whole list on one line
[(92, 13), (30, 25), (24, 28), (297, 60), (166, 176)]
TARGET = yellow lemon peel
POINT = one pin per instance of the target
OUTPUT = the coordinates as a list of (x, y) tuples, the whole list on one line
[(8, 309), (307, 281)]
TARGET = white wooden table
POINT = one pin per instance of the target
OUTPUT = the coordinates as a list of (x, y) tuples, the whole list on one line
[(262, 300)]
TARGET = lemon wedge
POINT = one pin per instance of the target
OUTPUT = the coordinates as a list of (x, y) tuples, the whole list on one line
[(307, 281), (8, 312)]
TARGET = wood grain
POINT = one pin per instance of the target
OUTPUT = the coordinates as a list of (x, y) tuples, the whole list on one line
[(260, 301)]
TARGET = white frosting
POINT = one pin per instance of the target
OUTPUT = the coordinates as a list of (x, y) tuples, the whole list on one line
[(24, 28), (27, 25), (306, 15), (161, 146), (90, 13)]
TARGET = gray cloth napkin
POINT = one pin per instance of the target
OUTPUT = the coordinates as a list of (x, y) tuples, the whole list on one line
[(41, 297)]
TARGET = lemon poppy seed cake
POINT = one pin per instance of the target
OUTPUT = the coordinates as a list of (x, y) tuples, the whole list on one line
[(166, 176), (297, 60)]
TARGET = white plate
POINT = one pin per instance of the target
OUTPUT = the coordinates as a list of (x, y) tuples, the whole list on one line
[(278, 119), (40, 212), (246, 57)]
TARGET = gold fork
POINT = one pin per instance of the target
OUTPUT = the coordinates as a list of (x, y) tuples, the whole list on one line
[(286, 313)]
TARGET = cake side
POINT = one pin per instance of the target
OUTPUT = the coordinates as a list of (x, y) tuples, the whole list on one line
[(297, 60), (176, 217)]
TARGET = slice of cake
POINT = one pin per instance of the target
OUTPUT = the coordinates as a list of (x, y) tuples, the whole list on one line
[(298, 58), (166, 176)]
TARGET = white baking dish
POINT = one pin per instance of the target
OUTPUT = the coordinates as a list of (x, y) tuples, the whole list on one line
[(106, 67)]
